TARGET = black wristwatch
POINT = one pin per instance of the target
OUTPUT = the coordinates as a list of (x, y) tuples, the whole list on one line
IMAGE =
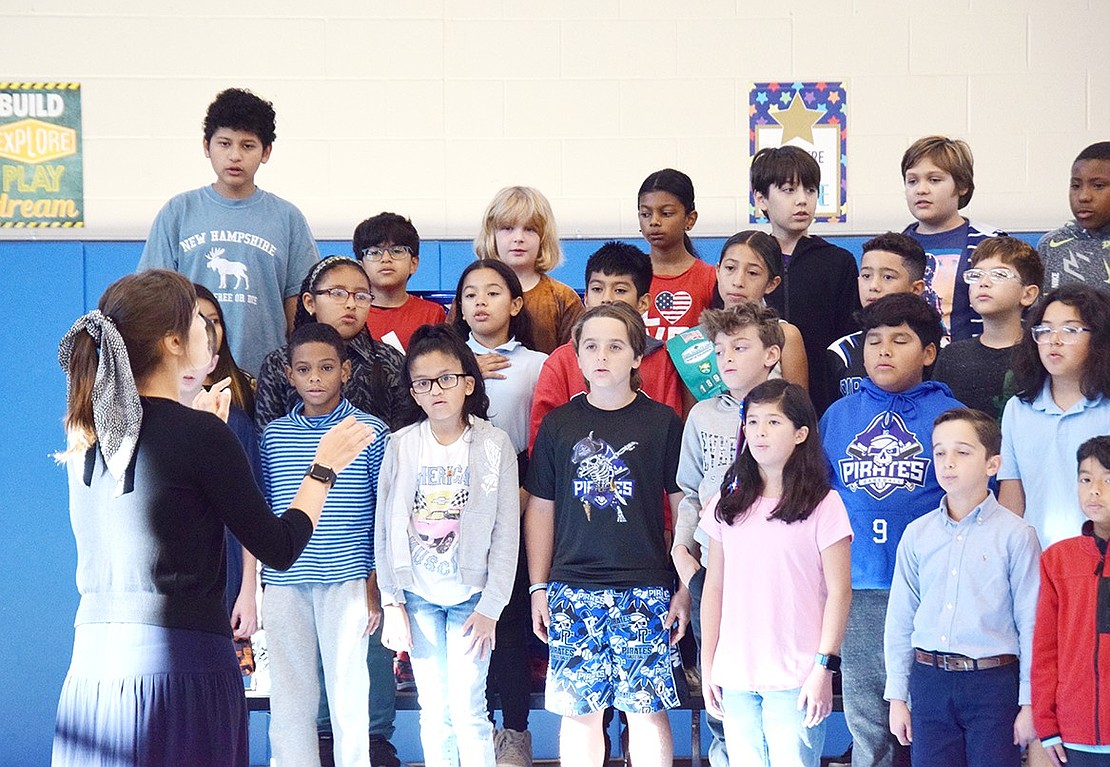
[(319, 471), (830, 662)]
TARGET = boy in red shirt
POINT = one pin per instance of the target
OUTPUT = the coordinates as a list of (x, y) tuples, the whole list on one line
[(388, 247), (616, 272)]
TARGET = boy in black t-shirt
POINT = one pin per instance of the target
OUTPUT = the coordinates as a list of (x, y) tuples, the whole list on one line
[(597, 551), (1003, 280)]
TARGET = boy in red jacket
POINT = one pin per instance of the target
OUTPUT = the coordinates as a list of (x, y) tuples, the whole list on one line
[(1071, 659), (616, 272)]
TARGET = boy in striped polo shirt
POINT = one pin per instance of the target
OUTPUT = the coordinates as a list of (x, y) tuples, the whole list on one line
[(328, 602)]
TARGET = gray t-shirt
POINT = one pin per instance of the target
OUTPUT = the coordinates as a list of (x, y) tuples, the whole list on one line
[(1074, 255), (252, 254)]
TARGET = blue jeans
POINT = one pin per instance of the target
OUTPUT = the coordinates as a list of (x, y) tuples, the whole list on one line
[(963, 718), (766, 728), (450, 685)]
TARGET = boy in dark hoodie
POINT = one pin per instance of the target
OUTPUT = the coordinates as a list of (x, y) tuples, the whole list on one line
[(879, 442), (818, 291)]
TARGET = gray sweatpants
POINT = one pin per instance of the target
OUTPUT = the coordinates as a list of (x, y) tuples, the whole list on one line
[(867, 713), (301, 621)]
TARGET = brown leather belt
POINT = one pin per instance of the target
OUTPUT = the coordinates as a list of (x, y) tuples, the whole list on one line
[(961, 662)]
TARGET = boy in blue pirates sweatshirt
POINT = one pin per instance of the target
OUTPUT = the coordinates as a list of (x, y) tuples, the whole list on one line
[(879, 442)]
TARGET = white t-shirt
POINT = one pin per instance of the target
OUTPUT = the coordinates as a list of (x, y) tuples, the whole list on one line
[(442, 491)]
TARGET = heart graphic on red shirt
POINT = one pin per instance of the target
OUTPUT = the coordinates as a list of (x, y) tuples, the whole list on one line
[(672, 306)]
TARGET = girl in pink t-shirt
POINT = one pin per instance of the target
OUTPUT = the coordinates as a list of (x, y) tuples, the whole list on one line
[(778, 586)]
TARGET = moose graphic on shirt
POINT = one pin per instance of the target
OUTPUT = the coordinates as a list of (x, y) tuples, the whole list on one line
[(225, 268)]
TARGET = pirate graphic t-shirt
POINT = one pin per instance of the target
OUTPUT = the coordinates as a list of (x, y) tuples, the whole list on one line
[(442, 490), (252, 254), (607, 472), (678, 300), (880, 445)]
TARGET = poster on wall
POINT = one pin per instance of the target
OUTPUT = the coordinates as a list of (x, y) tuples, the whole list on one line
[(811, 116), (41, 179)]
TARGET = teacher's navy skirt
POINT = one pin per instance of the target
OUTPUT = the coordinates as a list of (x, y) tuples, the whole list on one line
[(139, 695)]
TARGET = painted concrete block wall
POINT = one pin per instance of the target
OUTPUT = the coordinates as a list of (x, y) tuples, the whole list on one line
[(429, 106)]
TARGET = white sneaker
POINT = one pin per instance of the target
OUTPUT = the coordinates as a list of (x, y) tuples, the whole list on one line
[(512, 748)]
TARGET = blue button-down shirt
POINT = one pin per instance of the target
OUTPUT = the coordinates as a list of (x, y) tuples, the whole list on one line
[(1039, 441), (965, 588)]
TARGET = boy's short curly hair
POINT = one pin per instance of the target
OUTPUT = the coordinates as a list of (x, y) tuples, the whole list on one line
[(239, 109), (1097, 151), (1097, 448), (745, 314), (316, 332), (913, 255), (952, 155)]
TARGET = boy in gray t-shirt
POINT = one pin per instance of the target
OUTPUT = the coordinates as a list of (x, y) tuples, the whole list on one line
[(249, 247)]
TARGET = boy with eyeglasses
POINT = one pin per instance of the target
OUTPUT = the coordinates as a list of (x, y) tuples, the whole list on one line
[(249, 247), (388, 247), (1003, 280)]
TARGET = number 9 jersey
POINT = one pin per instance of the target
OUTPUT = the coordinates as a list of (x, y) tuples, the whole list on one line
[(880, 447)]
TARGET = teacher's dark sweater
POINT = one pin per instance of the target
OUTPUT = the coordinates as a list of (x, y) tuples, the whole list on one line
[(155, 552)]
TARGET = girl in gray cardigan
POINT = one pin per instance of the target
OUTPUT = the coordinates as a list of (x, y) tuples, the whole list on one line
[(446, 543)]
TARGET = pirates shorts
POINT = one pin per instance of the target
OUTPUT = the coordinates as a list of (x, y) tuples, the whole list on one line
[(609, 647)]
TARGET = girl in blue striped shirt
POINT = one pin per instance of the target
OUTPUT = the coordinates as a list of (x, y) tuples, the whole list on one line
[(319, 607)]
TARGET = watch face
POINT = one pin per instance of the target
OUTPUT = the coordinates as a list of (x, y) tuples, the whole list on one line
[(322, 473)]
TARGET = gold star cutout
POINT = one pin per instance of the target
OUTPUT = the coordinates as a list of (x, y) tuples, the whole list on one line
[(797, 121)]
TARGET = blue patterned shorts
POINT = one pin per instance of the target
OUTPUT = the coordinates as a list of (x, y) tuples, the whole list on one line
[(609, 647)]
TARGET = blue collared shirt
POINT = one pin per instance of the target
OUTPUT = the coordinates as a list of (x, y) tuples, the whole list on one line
[(510, 398), (1039, 441), (966, 588)]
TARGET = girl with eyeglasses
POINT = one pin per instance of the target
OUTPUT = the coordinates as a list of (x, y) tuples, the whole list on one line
[(446, 544), (336, 291), (1062, 374)]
